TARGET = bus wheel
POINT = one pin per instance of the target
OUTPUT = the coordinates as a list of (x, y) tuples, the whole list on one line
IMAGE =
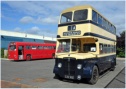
[(95, 76), (57, 77), (28, 57), (53, 56)]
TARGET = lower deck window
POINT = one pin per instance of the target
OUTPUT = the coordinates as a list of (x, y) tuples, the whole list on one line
[(89, 47), (64, 45)]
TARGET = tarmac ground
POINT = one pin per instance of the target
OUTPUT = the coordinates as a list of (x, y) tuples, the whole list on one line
[(39, 74)]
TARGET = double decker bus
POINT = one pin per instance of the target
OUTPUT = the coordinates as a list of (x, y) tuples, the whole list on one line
[(30, 50), (86, 44)]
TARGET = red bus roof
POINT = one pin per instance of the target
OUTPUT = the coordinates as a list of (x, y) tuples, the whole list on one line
[(32, 43)]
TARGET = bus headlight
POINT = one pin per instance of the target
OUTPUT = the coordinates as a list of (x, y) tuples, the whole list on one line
[(79, 66), (79, 77), (59, 65)]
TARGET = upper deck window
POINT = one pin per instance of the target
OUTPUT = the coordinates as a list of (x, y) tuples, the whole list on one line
[(66, 17), (99, 20), (80, 15), (94, 16)]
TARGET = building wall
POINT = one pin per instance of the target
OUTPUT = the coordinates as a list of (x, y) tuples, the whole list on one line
[(7, 37)]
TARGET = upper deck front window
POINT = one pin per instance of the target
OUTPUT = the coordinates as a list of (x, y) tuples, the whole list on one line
[(66, 17), (80, 15)]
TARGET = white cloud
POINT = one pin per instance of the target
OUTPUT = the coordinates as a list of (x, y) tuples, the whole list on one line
[(34, 30), (40, 20), (48, 20), (17, 29), (26, 19), (40, 31)]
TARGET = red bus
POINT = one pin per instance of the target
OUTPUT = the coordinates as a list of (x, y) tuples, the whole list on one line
[(30, 50)]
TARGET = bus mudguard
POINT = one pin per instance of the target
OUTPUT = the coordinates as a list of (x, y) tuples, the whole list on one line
[(87, 69)]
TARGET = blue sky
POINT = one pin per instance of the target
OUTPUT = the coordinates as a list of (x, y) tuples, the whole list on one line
[(41, 17)]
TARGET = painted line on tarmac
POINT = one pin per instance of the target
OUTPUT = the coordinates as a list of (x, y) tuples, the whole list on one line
[(113, 78)]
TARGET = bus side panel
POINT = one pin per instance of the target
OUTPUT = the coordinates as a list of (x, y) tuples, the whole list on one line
[(49, 53), (88, 64), (105, 62), (40, 53), (34, 53), (27, 52)]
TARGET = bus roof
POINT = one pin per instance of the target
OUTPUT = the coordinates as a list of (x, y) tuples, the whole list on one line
[(33, 43), (83, 7), (76, 8)]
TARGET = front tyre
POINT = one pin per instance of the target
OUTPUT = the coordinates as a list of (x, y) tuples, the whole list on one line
[(95, 76), (58, 77)]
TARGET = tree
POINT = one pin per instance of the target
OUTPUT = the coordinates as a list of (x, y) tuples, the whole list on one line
[(121, 45)]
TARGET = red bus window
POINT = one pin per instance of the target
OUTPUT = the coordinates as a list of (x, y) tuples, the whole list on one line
[(27, 47), (50, 47), (45, 47), (20, 48), (12, 47), (40, 47), (34, 47)]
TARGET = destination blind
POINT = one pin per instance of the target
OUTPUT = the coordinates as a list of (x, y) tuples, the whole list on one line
[(71, 33)]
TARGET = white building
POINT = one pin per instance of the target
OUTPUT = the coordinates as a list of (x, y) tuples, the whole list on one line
[(8, 36)]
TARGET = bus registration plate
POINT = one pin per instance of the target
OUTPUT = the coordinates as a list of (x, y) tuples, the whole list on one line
[(69, 77)]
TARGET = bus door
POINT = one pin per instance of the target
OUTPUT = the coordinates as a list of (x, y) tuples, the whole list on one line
[(20, 52)]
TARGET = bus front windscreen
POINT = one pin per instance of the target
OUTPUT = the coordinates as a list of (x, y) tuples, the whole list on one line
[(12, 47), (66, 17), (80, 15), (64, 46)]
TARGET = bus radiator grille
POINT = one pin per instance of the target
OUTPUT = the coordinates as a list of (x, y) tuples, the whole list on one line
[(69, 66)]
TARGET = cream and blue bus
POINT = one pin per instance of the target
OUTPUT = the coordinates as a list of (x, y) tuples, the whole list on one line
[(86, 44)]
